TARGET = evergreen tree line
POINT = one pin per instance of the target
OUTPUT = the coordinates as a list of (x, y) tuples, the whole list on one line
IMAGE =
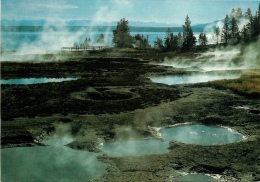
[(228, 34), (88, 42), (230, 31), (123, 39)]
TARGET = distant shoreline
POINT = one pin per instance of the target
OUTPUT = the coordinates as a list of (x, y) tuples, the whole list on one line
[(92, 28)]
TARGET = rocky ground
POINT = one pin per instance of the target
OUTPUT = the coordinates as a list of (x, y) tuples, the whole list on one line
[(113, 99)]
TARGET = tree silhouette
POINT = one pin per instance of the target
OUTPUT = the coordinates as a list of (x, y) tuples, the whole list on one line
[(225, 31), (158, 42), (234, 32), (140, 41), (203, 39), (101, 39), (188, 37), (217, 33), (121, 35)]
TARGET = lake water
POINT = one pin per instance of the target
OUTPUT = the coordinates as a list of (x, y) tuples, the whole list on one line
[(53, 40), (194, 178), (193, 78), (29, 81), (52, 163)]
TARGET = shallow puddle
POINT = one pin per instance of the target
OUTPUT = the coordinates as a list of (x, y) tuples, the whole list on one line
[(200, 135), (194, 178), (50, 163), (193, 78), (29, 81)]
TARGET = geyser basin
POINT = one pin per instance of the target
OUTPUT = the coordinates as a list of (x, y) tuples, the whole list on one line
[(193, 78), (136, 148), (29, 81), (191, 134), (201, 135), (194, 177), (25, 164)]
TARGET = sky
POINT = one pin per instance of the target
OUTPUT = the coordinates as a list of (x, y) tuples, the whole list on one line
[(161, 11)]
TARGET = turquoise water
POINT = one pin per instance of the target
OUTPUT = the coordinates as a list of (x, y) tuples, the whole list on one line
[(29, 81), (194, 178), (194, 78), (191, 134), (52, 163), (201, 135), (61, 163)]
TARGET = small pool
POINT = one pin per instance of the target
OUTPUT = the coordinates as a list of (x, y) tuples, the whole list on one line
[(29, 81), (201, 135), (191, 134), (51, 163), (193, 78), (194, 178)]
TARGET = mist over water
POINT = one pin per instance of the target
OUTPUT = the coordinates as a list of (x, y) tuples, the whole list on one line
[(61, 164), (191, 134), (136, 148), (201, 135), (193, 78), (53, 38)]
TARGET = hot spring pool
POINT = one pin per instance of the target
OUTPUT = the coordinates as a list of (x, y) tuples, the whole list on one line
[(29, 81), (61, 163), (52, 163), (194, 178), (201, 135), (191, 134), (194, 78)]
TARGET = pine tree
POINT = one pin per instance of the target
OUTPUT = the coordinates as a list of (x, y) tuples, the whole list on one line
[(248, 14), (234, 32), (101, 39), (167, 39), (188, 37), (170, 41), (121, 35), (140, 41), (158, 42), (203, 39), (217, 33), (225, 36), (180, 40), (87, 42), (255, 25), (245, 35)]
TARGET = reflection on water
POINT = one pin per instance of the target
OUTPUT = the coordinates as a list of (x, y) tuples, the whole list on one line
[(194, 78), (201, 135), (194, 178), (136, 148), (37, 164), (29, 81)]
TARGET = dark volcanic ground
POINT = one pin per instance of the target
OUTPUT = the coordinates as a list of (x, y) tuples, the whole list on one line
[(115, 93)]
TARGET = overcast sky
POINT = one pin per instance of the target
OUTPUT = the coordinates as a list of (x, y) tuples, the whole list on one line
[(163, 11)]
